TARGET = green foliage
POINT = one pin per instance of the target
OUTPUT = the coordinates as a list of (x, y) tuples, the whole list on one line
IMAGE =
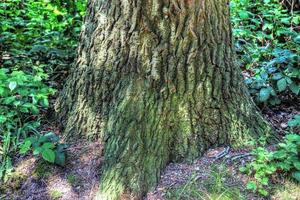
[(39, 32), (295, 121), (37, 40), (268, 46), (22, 96), (285, 159), (46, 145)]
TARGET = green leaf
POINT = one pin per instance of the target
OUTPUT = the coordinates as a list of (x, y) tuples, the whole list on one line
[(37, 151), (281, 84), (296, 175), (34, 110), (277, 76), (263, 192), (12, 85), (61, 147), (297, 164), (45, 103), (243, 169), (48, 145), (49, 137), (295, 121), (264, 181), (251, 185), (264, 94), (2, 119), (48, 155), (280, 154), (25, 147), (244, 14), (295, 88), (60, 158), (2, 91), (293, 137)]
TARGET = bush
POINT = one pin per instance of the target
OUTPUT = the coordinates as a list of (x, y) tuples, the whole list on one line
[(284, 160), (22, 97), (37, 40), (268, 46)]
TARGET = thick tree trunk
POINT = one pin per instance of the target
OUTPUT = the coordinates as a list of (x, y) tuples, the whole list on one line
[(156, 81)]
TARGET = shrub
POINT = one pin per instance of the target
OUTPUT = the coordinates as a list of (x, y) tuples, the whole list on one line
[(285, 160), (22, 97), (268, 46)]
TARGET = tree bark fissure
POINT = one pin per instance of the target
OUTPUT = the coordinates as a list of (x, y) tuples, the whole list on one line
[(155, 80)]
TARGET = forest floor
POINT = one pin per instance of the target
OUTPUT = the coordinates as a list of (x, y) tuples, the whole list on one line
[(206, 178)]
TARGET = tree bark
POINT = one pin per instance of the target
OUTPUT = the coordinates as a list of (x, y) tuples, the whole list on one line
[(156, 81)]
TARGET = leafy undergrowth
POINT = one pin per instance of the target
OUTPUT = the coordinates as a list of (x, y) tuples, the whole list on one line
[(37, 42), (268, 47)]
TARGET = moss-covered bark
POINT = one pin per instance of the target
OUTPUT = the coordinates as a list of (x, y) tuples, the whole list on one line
[(156, 81)]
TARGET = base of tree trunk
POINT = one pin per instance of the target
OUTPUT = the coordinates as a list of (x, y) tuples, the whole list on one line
[(156, 83), (145, 130)]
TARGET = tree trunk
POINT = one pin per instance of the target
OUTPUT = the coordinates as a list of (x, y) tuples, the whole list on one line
[(156, 81)]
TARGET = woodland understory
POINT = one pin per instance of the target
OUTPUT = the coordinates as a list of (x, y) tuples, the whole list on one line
[(39, 45)]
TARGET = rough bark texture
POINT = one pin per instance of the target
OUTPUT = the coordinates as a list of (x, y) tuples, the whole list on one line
[(156, 81)]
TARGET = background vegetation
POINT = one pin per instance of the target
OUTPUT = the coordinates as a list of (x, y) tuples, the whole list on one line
[(37, 47), (38, 41)]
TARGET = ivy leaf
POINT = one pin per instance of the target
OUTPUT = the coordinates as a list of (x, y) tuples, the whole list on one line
[(265, 181), (45, 103), (12, 85), (2, 90), (281, 84), (277, 76), (48, 155), (243, 169), (49, 137)]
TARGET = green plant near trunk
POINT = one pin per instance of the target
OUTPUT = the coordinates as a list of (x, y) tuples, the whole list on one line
[(284, 160), (22, 97), (38, 38)]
